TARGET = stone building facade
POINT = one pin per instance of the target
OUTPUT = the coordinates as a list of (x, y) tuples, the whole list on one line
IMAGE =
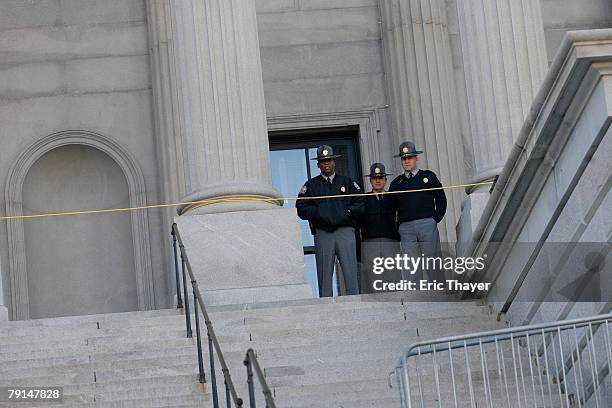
[(114, 103)]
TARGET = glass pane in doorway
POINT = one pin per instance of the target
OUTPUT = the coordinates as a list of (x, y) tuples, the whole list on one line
[(289, 173)]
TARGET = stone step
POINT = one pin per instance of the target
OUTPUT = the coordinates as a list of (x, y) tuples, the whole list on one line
[(312, 313), (404, 297), (176, 324), (143, 358), (175, 384), (363, 403), (425, 327), (492, 395), (187, 364), (78, 321), (315, 352), (146, 375), (174, 401), (297, 307)]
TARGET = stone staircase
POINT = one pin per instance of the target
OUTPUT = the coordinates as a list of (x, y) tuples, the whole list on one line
[(316, 353)]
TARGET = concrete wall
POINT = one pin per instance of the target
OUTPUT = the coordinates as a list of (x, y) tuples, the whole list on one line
[(561, 16), (325, 57), (320, 56), (78, 64)]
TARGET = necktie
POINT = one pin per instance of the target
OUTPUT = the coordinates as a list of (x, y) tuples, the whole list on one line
[(410, 175), (329, 180)]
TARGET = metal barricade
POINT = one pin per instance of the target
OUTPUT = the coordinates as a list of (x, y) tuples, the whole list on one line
[(559, 364)]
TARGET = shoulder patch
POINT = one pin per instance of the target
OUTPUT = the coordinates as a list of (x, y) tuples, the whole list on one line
[(356, 185), (303, 189)]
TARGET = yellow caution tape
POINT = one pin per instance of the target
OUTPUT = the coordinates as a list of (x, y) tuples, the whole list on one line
[(232, 199)]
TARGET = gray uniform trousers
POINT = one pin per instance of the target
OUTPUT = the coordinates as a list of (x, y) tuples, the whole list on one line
[(420, 238), (372, 248), (342, 243)]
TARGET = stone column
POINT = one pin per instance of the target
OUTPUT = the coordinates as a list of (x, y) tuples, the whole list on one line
[(3, 308), (221, 110), (504, 56), (419, 70), (213, 143)]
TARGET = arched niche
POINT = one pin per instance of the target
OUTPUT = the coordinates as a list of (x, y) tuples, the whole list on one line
[(134, 180)]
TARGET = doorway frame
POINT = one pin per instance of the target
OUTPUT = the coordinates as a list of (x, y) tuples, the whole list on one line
[(18, 288), (367, 120)]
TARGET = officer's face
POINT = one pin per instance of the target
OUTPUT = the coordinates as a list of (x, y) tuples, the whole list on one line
[(378, 183), (409, 162), (327, 166)]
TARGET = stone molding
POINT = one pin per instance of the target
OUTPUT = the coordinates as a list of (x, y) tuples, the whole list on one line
[(13, 194)]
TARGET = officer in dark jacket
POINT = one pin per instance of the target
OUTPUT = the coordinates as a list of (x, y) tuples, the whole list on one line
[(333, 222), (418, 212), (378, 230)]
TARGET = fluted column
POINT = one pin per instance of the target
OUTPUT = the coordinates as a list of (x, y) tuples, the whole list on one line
[(3, 308), (420, 81), (504, 56), (210, 101)]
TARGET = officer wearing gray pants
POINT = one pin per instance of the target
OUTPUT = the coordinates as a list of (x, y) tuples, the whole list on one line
[(332, 221), (419, 212), (379, 237), (328, 245)]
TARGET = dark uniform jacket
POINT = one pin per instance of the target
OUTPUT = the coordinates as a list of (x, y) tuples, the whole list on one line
[(329, 214), (378, 220), (417, 205)]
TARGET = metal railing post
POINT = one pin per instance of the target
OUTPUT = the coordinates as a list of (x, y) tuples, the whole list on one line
[(187, 313), (252, 366), (179, 298), (213, 374), (228, 402), (213, 344), (249, 370), (201, 375)]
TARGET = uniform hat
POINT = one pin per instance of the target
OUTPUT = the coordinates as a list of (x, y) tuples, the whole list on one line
[(408, 149), (325, 152), (377, 170)]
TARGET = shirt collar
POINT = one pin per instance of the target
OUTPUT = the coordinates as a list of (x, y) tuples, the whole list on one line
[(378, 196), (414, 172), (332, 177)]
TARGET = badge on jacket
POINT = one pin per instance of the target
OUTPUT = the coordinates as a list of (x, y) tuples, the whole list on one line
[(425, 180), (303, 190), (343, 189)]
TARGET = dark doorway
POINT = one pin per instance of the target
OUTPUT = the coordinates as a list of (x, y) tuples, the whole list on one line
[(290, 154)]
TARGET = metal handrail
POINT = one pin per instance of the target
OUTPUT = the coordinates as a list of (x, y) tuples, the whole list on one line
[(547, 331), (213, 343), (251, 363)]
